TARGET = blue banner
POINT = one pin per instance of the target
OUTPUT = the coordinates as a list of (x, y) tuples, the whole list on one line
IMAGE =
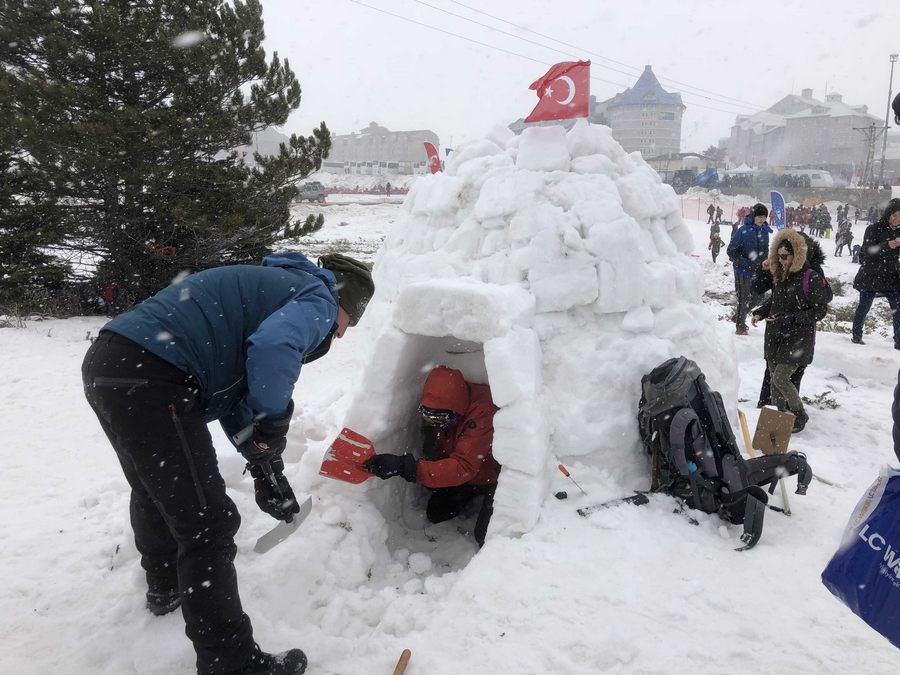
[(777, 210), (864, 574)]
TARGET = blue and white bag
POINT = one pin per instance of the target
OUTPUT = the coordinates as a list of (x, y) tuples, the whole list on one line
[(864, 573)]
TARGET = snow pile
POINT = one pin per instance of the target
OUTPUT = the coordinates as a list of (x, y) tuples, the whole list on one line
[(551, 266)]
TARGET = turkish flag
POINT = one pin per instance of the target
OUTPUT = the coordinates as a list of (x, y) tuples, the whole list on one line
[(434, 162), (564, 92)]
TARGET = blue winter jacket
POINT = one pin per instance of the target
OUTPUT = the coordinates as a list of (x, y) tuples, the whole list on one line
[(749, 246), (241, 330)]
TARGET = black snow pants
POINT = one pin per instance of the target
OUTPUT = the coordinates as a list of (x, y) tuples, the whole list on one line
[(447, 503), (184, 523)]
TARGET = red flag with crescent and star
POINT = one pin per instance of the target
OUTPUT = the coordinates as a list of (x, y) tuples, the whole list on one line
[(434, 161), (564, 92)]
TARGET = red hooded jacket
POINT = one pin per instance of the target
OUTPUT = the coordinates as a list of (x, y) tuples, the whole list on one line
[(463, 449)]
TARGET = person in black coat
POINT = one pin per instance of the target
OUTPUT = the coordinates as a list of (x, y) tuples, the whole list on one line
[(762, 283), (879, 272), (799, 294)]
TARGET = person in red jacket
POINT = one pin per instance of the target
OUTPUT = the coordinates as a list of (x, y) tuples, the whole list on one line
[(458, 465)]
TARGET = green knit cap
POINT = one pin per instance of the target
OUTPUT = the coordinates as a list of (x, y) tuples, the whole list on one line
[(354, 283)]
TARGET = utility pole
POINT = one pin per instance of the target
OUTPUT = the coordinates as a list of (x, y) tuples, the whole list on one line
[(887, 116), (871, 133)]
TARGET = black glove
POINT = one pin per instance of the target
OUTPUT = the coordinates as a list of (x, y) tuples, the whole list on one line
[(268, 439), (388, 466), (273, 492)]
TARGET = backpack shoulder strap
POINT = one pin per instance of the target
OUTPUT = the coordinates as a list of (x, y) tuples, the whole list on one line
[(807, 275)]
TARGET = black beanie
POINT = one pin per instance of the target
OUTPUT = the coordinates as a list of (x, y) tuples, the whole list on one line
[(759, 210), (354, 283), (896, 106)]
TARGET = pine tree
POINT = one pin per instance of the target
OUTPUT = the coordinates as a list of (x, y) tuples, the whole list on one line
[(124, 116)]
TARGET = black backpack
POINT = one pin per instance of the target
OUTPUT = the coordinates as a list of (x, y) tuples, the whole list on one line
[(693, 453)]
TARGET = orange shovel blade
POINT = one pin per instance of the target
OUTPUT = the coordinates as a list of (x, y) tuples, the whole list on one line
[(345, 456), (351, 447), (345, 471)]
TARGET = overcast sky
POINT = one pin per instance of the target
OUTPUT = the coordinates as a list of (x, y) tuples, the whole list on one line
[(726, 57)]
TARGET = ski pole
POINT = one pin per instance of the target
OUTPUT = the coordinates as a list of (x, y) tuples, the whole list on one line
[(565, 472)]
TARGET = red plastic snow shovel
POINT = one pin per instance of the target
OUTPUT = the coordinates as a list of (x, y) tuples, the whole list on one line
[(345, 457)]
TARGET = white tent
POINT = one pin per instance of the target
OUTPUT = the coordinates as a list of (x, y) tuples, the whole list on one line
[(742, 169)]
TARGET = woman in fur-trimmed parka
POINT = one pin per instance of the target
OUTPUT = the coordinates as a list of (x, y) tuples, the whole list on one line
[(799, 294)]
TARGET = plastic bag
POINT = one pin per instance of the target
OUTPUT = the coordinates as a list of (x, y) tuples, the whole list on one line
[(864, 573)]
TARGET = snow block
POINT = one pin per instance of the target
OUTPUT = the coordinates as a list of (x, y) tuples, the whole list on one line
[(636, 191), (521, 438), (543, 149), (684, 240), (513, 363), (476, 171), (517, 502), (466, 309), (598, 164), (393, 389), (638, 320), (620, 289), (507, 191), (661, 239), (500, 134), (585, 138), (613, 236), (661, 284), (558, 286), (467, 152), (435, 197), (571, 189), (525, 225)]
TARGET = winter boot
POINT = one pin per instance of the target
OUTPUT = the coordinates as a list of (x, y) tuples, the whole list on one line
[(741, 329), (162, 597), (800, 420), (291, 662), (857, 340)]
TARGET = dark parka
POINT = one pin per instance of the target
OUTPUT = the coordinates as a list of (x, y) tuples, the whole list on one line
[(791, 312), (748, 247), (878, 271), (242, 332)]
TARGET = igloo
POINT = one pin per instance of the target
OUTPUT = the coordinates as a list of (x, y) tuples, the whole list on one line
[(552, 266)]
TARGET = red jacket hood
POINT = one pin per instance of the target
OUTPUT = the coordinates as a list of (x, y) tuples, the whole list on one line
[(445, 389)]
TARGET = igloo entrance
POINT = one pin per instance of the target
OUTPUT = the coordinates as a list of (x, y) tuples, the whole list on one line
[(481, 330)]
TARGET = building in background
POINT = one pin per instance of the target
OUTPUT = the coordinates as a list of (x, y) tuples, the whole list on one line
[(376, 150), (645, 117), (804, 132)]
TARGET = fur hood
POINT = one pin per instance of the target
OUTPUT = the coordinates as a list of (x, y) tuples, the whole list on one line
[(798, 243)]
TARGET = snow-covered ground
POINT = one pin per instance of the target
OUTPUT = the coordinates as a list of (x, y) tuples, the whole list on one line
[(626, 590)]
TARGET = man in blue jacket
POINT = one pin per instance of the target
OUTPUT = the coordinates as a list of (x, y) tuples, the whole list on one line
[(748, 248), (223, 344)]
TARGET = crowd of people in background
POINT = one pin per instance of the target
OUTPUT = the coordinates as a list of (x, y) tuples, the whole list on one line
[(779, 279)]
